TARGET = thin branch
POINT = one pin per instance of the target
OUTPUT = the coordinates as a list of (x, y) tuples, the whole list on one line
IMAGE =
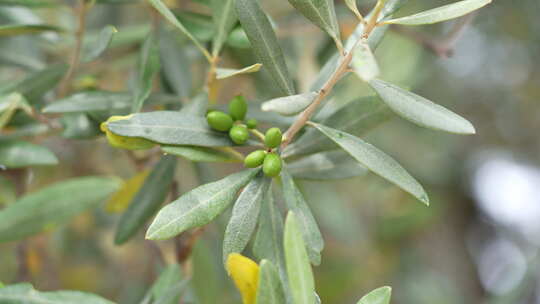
[(444, 47), (65, 85), (341, 70)]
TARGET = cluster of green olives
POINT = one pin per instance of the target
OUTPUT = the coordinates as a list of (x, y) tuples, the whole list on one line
[(234, 121), (270, 160)]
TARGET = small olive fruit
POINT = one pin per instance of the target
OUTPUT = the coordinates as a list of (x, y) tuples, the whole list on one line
[(254, 159), (252, 123), (219, 121), (273, 138), (124, 142), (239, 134), (238, 107), (272, 165)]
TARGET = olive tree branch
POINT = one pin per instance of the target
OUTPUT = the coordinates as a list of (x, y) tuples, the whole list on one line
[(340, 71), (81, 10)]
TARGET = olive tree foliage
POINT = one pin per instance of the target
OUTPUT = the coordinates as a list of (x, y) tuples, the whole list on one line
[(284, 138)]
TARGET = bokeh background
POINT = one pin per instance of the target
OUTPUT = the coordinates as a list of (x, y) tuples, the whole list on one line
[(477, 242)]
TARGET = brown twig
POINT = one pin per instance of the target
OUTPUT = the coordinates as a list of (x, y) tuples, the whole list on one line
[(341, 70), (440, 47), (81, 11)]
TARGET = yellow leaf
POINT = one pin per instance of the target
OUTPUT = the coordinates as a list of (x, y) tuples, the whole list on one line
[(245, 274), (124, 142), (121, 199)]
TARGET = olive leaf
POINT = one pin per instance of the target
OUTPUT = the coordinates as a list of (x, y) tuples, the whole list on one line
[(289, 105), (177, 70), (376, 161), (9, 105), (30, 3), (328, 165), (147, 200), (244, 216), (443, 13), (270, 290), (25, 29), (25, 293), (321, 13), (377, 296), (148, 66), (20, 154), (168, 285), (79, 126), (171, 18), (197, 207), (202, 154), (98, 47), (307, 224), (363, 62), (420, 110), (170, 128), (357, 117), (224, 15), (299, 271), (264, 42), (222, 73), (51, 206)]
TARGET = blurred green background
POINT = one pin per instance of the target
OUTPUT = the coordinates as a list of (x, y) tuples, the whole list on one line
[(477, 242)]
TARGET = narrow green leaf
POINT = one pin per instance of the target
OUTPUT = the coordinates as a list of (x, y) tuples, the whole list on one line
[(357, 117), (376, 161), (224, 15), (244, 216), (200, 25), (197, 207), (289, 105), (307, 224), (148, 200), (96, 48), (20, 154), (377, 296), (202, 154), (329, 165), (25, 293), (264, 42), (443, 13), (363, 62), (36, 84), (170, 128), (103, 101), (169, 16), (25, 29), (169, 286), (299, 271), (419, 110), (270, 290), (321, 13), (222, 73), (9, 105), (51, 206), (148, 66), (177, 67)]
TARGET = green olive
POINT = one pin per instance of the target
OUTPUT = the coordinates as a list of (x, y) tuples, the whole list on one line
[(254, 159), (252, 123), (273, 138), (238, 107), (219, 121), (239, 134), (272, 165)]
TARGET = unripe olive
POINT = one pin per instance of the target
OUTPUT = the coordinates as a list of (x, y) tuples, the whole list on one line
[(238, 108), (272, 165), (254, 159), (239, 134), (252, 123), (273, 138), (219, 121)]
